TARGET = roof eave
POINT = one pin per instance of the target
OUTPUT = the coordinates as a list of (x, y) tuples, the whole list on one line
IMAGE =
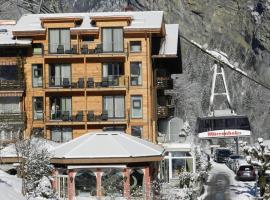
[(106, 160)]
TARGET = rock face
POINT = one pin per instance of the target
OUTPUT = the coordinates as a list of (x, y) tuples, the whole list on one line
[(240, 28)]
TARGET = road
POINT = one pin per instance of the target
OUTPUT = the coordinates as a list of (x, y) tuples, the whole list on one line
[(223, 186)]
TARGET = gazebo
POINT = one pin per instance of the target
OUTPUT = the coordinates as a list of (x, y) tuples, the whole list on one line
[(105, 164)]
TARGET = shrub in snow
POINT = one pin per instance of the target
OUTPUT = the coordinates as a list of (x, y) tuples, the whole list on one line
[(259, 155), (44, 190), (34, 167)]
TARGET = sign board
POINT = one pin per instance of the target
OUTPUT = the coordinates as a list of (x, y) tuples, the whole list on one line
[(225, 134)]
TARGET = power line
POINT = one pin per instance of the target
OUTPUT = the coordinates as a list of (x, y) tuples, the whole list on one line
[(226, 64)]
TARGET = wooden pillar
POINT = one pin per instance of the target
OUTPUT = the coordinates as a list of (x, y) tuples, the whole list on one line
[(147, 183), (98, 176), (71, 185), (127, 183), (54, 181)]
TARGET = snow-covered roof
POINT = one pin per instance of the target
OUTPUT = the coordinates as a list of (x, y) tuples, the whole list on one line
[(6, 37), (111, 144), (170, 42), (10, 151), (140, 19)]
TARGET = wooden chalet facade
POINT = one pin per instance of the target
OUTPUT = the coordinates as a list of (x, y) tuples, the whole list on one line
[(82, 72)]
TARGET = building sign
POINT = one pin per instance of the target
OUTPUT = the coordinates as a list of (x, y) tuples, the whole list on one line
[(224, 134)]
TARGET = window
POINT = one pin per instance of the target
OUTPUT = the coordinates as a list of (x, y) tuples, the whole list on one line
[(85, 184), (135, 73), (37, 49), (37, 132), (115, 106), (61, 108), (38, 108), (9, 72), (87, 38), (60, 75), (112, 183), (176, 162), (113, 72), (10, 105), (61, 134), (135, 46), (59, 40), (37, 75), (136, 131), (136, 109), (112, 40)]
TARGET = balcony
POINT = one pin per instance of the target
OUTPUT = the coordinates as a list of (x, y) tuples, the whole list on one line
[(12, 118), (165, 83), (81, 118), (164, 111), (109, 83), (90, 49), (12, 85)]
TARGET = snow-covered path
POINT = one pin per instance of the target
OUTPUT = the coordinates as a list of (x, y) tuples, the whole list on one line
[(223, 186)]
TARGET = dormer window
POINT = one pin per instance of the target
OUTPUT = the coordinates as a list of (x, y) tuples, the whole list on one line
[(59, 40), (112, 40)]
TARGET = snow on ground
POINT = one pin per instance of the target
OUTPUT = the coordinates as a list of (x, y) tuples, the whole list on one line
[(237, 189), (10, 187)]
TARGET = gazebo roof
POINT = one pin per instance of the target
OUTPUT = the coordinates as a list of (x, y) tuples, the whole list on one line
[(106, 147)]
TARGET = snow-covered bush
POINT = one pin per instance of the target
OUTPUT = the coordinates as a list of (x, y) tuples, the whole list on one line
[(34, 168), (43, 190), (259, 155)]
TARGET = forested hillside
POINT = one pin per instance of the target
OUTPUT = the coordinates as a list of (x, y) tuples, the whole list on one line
[(240, 28)]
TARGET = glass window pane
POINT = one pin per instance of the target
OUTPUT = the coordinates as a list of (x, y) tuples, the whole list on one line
[(107, 39), (53, 40), (38, 108), (66, 134), (136, 131), (135, 46), (178, 166), (10, 105), (56, 135), (65, 38), (108, 105), (135, 73), (136, 106), (112, 183), (118, 39), (37, 75), (85, 184), (119, 103)]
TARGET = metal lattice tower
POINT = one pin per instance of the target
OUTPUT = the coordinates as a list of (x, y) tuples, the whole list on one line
[(219, 75)]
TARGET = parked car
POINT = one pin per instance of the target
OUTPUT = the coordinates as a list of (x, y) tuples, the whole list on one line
[(231, 162), (222, 155), (246, 172), (238, 163)]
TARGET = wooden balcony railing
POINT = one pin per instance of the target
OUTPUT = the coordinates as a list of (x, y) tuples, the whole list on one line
[(76, 83), (75, 117), (74, 49), (164, 83), (12, 85), (164, 111), (12, 118)]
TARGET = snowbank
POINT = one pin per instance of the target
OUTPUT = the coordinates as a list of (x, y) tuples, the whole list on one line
[(10, 187)]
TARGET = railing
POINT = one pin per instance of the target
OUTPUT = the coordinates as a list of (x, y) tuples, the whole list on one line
[(73, 48), (17, 118), (90, 82), (164, 111), (164, 83), (80, 116), (12, 85)]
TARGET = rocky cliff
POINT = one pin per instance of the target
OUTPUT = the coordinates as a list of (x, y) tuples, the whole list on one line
[(240, 28)]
